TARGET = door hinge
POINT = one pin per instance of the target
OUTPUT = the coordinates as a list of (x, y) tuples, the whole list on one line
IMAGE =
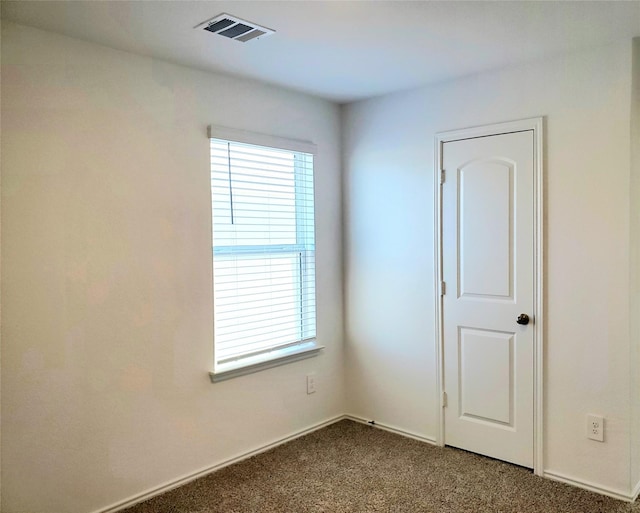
[(443, 176), (444, 400), (443, 288)]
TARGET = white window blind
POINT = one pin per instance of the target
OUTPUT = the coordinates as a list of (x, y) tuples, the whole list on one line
[(263, 252)]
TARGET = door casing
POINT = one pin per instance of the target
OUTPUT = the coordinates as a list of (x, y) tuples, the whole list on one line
[(537, 125)]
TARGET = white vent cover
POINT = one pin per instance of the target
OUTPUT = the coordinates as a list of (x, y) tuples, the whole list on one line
[(234, 28)]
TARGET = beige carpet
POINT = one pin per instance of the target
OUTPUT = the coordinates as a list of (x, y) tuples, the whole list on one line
[(351, 467)]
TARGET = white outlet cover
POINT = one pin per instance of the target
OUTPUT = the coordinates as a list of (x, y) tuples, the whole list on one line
[(311, 383), (595, 427)]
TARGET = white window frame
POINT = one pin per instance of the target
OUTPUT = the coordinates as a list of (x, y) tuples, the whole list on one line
[(306, 348)]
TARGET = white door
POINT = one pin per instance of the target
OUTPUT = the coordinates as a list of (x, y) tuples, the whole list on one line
[(488, 270)]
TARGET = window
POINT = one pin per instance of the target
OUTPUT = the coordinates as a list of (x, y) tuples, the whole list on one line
[(263, 252)]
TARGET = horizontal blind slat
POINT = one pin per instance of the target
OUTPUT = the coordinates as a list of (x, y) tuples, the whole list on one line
[(265, 336), (258, 326), (253, 303), (266, 350), (256, 312)]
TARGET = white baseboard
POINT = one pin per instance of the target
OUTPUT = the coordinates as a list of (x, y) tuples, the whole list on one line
[(635, 492), (556, 476), (592, 487), (170, 485), (392, 429)]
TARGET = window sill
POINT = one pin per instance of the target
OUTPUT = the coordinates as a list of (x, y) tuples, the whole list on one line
[(274, 359)]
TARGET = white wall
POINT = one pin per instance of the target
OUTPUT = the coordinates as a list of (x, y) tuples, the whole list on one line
[(0, 276), (634, 264), (106, 299), (390, 290), (106, 274)]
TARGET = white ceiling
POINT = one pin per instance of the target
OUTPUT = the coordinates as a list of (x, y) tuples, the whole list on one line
[(342, 50)]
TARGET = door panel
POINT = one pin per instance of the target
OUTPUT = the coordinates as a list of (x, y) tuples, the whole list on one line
[(485, 191), (488, 265), (485, 376)]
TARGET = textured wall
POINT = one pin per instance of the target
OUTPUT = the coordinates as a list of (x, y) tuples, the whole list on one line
[(390, 290), (106, 276), (634, 264)]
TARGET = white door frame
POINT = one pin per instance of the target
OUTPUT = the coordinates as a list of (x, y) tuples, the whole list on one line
[(537, 125)]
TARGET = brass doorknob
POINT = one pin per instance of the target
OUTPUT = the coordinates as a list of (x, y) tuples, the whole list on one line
[(523, 319)]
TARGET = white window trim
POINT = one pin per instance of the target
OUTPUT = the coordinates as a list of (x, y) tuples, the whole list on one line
[(282, 355), (272, 141)]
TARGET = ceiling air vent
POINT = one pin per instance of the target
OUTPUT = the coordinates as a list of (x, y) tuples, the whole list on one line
[(234, 28)]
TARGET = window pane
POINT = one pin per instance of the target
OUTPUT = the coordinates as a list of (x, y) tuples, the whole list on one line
[(257, 303), (264, 249), (254, 195)]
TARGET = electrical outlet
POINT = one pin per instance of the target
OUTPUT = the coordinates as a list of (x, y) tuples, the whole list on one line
[(311, 383), (595, 427)]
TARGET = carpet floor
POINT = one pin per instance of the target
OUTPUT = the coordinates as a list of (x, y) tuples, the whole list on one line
[(349, 467)]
